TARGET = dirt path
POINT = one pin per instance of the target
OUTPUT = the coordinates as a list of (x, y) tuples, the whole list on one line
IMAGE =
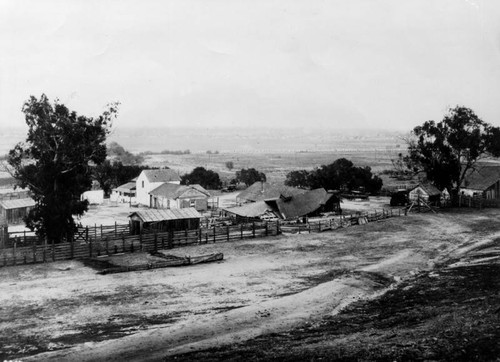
[(263, 286)]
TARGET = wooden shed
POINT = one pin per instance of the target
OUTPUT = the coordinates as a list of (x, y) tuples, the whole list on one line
[(425, 192), (151, 220), (13, 211)]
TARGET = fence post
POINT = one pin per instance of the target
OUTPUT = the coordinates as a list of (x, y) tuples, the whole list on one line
[(24, 232), (101, 233), (140, 240), (86, 233), (309, 226), (116, 231), (15, 245), (253, 229), (199, 235), (227, 231), (53, 251), (90, 247), (156, 242), (169, 239), (214, 233), (266, 228), (34, 250), (123, 242), (277, 227), (107, 244), (241, 231), (72, 245), (319, 226)]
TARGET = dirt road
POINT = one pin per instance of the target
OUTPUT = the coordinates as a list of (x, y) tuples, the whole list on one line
[(64, 311)]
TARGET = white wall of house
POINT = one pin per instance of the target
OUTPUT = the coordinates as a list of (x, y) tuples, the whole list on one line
[(123, 197), (471, 192), (143, 186), (199, 203)]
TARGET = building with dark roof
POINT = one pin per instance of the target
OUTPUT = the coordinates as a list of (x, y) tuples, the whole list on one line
[(309, 203), (483, 181), (259, 191)]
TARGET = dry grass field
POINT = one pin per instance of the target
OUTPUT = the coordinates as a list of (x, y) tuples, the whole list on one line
[(421, 287)]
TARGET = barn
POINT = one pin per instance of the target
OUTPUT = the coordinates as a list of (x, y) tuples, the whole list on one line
[(484, 181), (14, 210), (260, 191), (309, 203), (150, 220)]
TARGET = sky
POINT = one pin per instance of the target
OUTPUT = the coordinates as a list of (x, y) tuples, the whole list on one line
[(385, 64)]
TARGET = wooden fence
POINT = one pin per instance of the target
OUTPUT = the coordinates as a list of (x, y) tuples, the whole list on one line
[(108, 240), (476, 202), (108, 244)]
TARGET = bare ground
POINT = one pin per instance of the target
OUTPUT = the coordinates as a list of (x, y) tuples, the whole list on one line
[(289, 297)]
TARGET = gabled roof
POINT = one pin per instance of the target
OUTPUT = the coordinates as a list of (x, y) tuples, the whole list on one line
[(17, 203), (429, 189), (174, 191), (303, 204), (481, 178), (129, 186), (251, 210), (155, 215), (266, 191), (163, 175), (286, 208)]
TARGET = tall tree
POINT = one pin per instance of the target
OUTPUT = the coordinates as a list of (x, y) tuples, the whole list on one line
[(111, 174), (206, 178), (250, 176), (447, 150), (298, 178), (339, 175), (55, 163)]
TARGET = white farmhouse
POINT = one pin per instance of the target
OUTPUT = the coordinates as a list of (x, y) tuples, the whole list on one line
[(150, 179)]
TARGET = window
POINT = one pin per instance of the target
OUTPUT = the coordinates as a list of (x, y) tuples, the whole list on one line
[(142, 184), (192, 203)]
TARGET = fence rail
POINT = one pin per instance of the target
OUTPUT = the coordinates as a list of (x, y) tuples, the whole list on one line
[(113, 240)]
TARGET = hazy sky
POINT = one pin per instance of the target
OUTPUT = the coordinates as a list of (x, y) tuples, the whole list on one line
[(339, 64)]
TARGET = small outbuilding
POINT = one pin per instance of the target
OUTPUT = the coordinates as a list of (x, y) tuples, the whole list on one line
[(425, 192), (124, 193), (150, 220), (94, 197), (14, 210)]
